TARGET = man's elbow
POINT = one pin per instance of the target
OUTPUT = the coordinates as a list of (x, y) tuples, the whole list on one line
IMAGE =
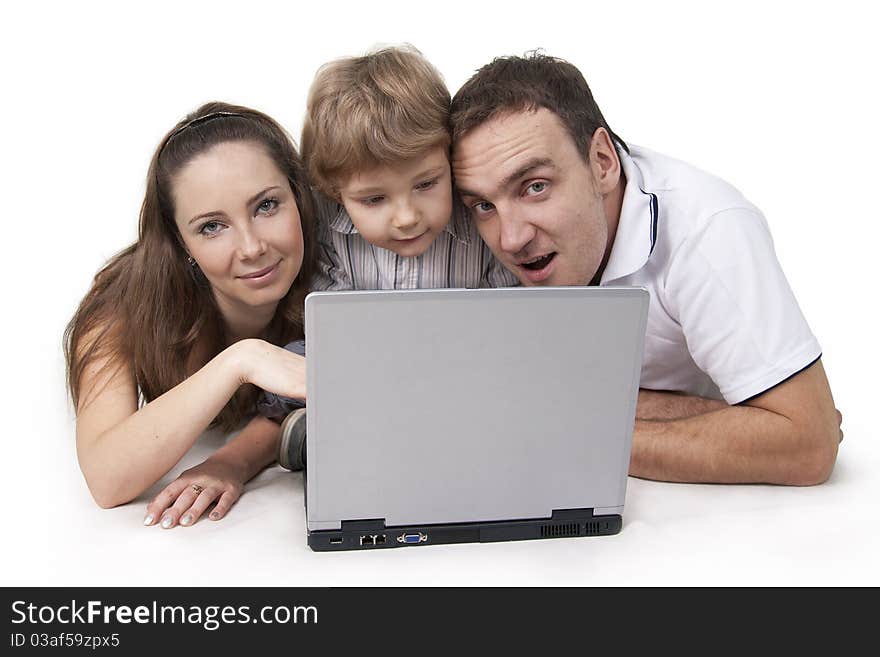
[(816, 458)]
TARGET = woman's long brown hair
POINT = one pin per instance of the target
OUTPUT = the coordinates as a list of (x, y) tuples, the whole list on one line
[(148, 309)]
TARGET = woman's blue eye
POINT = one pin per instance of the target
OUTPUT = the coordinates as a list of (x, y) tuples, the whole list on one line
[(209, 228), (268, 205), (483, 207)]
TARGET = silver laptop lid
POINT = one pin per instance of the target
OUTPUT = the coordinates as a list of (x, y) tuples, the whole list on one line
[(440, 406)]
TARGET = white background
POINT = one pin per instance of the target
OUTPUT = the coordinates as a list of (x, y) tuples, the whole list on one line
[(780, 99)]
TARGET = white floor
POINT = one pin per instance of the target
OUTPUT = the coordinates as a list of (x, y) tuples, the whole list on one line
[(672, 535)]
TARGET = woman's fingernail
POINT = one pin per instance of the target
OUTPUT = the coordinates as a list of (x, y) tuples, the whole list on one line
[(214, 515), (186, 519), (167, 522), (148, 520)]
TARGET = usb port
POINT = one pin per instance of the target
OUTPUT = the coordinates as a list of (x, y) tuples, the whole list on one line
[(336, 541)]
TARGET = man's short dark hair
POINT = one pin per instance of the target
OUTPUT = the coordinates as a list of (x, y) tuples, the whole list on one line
[(515, 84)]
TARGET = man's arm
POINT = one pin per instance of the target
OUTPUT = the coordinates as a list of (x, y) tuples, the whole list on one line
[(788, 435), (664, 405)]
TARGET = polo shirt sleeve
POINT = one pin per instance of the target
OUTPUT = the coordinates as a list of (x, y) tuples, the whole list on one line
[(740, 319)]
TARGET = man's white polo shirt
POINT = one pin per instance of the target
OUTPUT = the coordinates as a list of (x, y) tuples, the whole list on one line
[(723, 321)]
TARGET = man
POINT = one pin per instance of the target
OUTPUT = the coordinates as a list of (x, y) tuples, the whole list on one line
[(732, 385)]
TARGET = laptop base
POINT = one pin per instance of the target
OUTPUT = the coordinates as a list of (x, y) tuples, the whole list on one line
[(373, 534)]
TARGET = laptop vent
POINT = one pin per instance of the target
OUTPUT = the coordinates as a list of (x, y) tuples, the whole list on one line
[(592, 529), (554, 531)]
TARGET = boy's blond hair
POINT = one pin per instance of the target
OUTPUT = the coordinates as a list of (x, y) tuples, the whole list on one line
[(385, 107)]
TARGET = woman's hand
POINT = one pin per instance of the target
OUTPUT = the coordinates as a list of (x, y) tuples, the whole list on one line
[(272, 368), (183, 501)]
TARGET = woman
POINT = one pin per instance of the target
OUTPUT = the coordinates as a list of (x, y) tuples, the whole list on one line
[(179, 330)]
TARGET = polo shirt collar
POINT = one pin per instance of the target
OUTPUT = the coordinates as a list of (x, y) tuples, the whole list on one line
[(457, 226), (637, 226)]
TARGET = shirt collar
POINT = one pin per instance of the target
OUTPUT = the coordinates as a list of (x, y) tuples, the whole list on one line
[(460, 221), (457, 226), (341, 222), (637, 227)]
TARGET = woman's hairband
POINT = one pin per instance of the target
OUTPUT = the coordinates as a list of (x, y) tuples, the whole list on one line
[(199, 121)]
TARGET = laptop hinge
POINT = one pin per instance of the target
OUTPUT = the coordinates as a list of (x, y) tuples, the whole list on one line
[(377, 524)]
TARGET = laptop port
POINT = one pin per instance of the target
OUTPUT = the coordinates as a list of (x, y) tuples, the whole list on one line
[(336, 541), (412, 538), (368, 540), (380, 539)]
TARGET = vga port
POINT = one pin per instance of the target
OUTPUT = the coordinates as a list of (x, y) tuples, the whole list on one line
[(412, 537)]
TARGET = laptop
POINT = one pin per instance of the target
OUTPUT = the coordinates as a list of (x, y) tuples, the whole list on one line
[(469, 415)]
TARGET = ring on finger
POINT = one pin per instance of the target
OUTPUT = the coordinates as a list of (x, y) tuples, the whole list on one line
[(197, 488)]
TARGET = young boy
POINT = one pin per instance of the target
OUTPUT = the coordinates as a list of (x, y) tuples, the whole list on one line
[(376, 143)]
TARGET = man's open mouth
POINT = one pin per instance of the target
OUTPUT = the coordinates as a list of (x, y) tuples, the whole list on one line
[(538, 263)]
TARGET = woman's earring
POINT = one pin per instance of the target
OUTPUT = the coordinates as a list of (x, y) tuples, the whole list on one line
[(195, 271)]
